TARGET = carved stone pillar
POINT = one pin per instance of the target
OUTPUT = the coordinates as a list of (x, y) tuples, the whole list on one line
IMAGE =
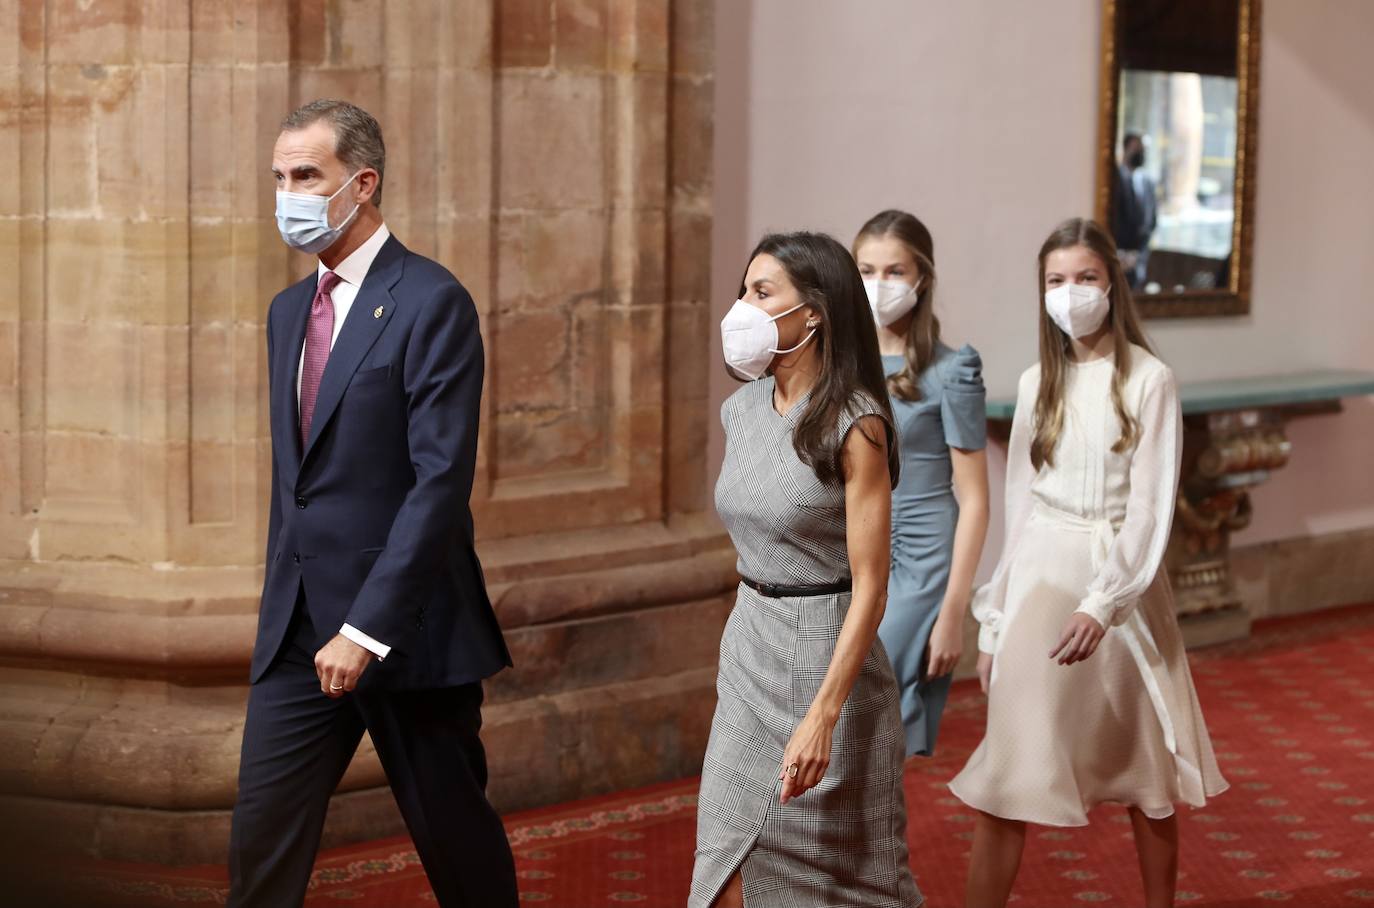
[(556, 157)]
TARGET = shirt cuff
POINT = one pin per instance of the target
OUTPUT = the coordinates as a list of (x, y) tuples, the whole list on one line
[(380, 650), (1100, 608), (987, 639)]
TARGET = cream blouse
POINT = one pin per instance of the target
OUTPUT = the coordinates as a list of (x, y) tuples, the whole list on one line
[(1127, 497)]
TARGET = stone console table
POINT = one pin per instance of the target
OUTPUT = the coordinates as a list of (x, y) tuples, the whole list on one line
[(1234, 437)]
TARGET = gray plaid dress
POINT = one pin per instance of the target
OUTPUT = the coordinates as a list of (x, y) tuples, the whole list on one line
[(844, 842)]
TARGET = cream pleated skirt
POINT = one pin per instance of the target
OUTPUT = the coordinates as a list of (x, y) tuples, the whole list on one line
[(1122, 727)]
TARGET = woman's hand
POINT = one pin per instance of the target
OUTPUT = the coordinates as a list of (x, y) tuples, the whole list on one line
[(984, 671), (809, 751), (946, 644), (1081, 635)]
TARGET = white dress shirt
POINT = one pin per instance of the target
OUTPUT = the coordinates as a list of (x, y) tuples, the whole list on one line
[(351, 272)]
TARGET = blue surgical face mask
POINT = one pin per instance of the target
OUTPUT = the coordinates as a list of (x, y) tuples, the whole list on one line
[(303, 219)]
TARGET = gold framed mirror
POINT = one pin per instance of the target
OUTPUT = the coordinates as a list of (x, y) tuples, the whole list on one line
[(1176, 150)]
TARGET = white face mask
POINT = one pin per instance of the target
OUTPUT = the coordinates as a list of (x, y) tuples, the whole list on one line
[(749, 338), (890, 300), (1078, 309), (303, 220)]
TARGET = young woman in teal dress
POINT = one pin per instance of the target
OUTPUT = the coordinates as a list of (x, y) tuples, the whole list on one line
[(940, 506)]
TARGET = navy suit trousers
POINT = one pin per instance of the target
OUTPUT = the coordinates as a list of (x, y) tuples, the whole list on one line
[(297, 742)]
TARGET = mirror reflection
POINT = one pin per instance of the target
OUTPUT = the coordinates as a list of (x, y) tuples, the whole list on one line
[(1176, 126), (1175, 211)]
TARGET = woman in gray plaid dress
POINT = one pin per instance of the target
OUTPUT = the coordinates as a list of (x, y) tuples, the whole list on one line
[(801, 801)]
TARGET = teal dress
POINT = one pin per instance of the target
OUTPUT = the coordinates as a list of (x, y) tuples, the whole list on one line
[(950, 414)]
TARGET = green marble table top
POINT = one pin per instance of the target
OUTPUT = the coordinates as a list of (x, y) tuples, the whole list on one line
[(1246, 393)]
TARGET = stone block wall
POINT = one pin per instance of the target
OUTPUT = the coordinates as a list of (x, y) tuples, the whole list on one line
[(556, 156)]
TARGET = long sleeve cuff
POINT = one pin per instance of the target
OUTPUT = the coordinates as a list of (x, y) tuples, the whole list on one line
[(989, 619), (1100, 608), (987, 639), (376, 648)]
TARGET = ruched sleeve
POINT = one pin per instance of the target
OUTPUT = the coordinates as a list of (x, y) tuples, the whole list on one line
[(963, 401)]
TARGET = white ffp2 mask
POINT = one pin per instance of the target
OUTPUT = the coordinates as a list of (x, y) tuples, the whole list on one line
[(1078, 309), (890, 300), (749, 338)]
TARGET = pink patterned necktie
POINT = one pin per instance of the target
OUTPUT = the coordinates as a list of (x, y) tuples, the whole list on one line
[(319, 334)]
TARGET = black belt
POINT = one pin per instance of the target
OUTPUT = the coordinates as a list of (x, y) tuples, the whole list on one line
[(774, 591)]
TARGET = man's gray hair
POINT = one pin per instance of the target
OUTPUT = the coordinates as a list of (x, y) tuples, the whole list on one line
[(357, 135)]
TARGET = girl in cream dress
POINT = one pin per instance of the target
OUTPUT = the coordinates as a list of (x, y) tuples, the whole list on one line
[(1089, 696)]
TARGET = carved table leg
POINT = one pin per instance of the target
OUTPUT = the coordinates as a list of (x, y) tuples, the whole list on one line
[(1224, 456)]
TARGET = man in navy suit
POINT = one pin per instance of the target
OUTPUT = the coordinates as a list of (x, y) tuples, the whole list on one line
[(1134, 210), (374, 611)]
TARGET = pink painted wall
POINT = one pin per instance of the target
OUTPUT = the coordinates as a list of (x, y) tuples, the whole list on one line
[(980, 116)]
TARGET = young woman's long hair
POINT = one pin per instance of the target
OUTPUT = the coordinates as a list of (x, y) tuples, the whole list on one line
[(1056, 347), (924, 334), (846, 346)]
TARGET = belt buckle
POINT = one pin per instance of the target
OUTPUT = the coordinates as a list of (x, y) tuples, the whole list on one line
[(771, 590)]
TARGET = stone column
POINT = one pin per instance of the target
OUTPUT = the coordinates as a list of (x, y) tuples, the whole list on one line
[(555, 154)]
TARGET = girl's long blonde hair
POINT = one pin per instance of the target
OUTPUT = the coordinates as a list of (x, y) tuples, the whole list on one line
[(924, 335), (1056, 348)]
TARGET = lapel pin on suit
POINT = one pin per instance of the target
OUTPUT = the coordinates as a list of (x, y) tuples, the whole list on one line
[(377, 313)]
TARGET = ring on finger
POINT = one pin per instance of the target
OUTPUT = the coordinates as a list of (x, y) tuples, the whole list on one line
[(792, 770)]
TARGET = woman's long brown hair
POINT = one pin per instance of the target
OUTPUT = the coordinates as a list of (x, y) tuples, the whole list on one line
[(1056, 346), (924, 333), (847, 347)]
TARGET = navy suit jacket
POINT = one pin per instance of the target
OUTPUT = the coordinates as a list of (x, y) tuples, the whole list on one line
[(372, 516), (1134, 214)]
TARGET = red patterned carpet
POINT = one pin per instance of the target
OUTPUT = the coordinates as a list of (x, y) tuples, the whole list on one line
[(1292, 717)]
